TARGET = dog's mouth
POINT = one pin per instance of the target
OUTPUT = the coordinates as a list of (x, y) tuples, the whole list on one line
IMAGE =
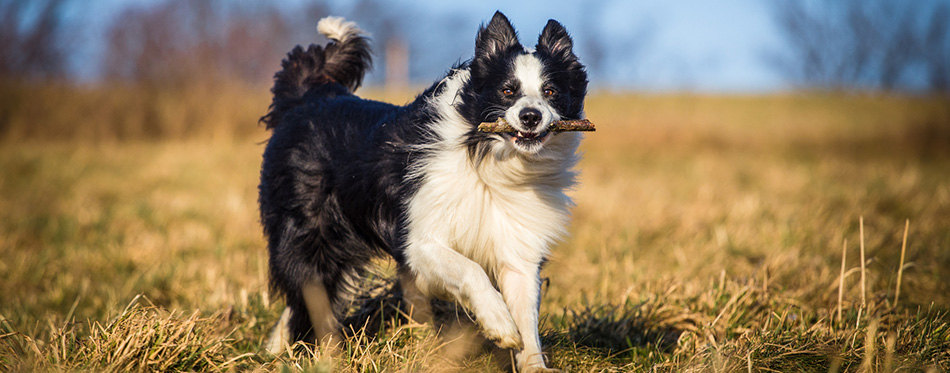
[(528, 142), (530, 136)]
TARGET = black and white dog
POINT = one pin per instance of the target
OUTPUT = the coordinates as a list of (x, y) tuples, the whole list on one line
[(467, 216)]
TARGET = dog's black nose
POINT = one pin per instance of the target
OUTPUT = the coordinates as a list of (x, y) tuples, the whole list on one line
[(530, 117)]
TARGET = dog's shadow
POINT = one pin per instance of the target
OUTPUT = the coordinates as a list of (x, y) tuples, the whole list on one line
[(612, 331), (620, 331)]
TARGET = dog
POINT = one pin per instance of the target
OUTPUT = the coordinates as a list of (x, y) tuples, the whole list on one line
[(467, 216)]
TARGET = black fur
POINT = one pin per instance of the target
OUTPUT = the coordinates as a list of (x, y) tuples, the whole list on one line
[(345, 63), (335, 175)]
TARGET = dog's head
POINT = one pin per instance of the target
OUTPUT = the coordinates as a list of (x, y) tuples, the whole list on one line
[(530, 89)]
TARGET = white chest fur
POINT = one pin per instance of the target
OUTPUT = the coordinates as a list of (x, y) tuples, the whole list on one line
[(495, 214)]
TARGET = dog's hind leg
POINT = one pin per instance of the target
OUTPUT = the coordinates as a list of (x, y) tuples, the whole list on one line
[(320, 311), (322, 299), (319, 321), (417, 303), (310, 315), (314, 283)]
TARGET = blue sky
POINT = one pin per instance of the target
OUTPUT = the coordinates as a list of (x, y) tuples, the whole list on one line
[(687, 44), (709, 46)]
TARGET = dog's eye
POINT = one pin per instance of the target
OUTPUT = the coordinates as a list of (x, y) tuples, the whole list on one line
[(507, 92), (549, 92)]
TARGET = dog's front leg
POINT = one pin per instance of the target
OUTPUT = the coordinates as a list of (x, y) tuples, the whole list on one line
[(521, 288), (440, 270)]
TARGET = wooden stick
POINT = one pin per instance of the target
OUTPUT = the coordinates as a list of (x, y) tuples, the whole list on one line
[(900, 270), (502, 126)]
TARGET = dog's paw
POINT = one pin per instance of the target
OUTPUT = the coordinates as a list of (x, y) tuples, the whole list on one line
[(532, 362), (504, 333), (507, 342), (499, 327)]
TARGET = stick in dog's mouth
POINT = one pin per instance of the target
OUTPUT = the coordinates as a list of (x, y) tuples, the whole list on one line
[(502, 126)]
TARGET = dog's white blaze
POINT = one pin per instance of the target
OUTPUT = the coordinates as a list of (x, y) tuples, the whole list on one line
[(529, 72)]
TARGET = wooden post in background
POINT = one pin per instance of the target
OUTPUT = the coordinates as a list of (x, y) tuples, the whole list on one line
[(397, 65)]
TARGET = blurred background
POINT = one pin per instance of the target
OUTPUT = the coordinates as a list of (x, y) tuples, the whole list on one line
[(119, 69), (153, 52), (727, 46)]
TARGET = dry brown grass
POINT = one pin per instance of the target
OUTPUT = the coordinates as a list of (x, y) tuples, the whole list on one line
[(114, 113), (707, 236)]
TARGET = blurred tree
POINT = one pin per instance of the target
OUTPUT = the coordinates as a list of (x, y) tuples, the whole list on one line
[(841, 44), (32, 39), (592, 46), (611, 57), (181, 42)]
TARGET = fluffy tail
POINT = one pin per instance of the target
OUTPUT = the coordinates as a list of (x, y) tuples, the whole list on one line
[(344, 60)]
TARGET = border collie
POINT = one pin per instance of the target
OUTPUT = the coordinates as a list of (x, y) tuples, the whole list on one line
[(468, 216)]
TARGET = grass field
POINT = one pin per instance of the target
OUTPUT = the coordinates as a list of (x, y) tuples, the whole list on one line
[(707, 236)]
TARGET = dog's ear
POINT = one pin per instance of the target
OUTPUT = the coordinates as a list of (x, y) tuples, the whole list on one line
[(496, 38), (556, 46), (554, 41)]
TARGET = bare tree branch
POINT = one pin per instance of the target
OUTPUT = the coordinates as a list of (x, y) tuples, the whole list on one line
[(31, 39), (182, 42), (847, 44)]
